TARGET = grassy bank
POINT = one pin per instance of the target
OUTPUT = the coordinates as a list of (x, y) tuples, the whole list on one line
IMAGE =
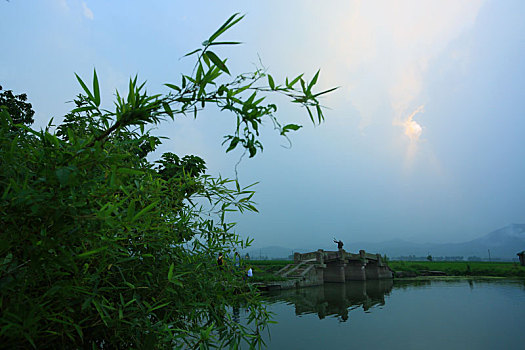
[(462, 268), (264, 269)]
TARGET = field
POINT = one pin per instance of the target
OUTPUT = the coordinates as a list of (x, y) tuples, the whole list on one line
[(462, 268), (264, 269)]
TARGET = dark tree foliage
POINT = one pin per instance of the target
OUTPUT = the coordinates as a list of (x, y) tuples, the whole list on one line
[(17, 106), (102, 248)]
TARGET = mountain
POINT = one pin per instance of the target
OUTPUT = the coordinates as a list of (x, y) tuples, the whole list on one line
[(503, 243)]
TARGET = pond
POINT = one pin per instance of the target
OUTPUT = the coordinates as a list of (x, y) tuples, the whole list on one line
[(437, 314)]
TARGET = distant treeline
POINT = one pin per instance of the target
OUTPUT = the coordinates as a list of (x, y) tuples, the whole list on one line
[(450, 258)]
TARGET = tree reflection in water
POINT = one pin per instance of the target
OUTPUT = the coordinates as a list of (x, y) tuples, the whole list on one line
[(335, 299)]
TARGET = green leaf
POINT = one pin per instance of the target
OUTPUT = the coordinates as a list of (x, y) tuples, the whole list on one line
[(172, 86), (130, 171), (170, 272), (85, 88), (131, 210), (206, 60), (82, 109), (159, 306), (271, 82), (289, 127), (167, 109), (238, 91), (293, 82), (91, 252), (191, 53), (325, 92), (217, 61), (145, 210), (314, 80), (233, 144), (96, 89), (320, 116), (63, 174), (225, 43), (228, 24), (310, 114)]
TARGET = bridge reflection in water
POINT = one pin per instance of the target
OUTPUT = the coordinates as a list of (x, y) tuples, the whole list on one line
[(335, 299)]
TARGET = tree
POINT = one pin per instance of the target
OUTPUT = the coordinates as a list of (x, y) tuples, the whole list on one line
[(103, 248), (20, 111)]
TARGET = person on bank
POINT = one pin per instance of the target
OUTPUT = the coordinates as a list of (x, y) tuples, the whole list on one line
[(220, 261), (249, 273)]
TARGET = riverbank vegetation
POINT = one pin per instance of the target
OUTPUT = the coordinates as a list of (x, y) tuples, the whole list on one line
[(418, 268), (103, 247), (461, 268)]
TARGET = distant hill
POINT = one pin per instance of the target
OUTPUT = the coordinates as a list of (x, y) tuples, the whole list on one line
[(503, 243)]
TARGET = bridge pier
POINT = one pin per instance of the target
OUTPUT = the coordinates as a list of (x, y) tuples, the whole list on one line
[(355, 271), (335, 272)]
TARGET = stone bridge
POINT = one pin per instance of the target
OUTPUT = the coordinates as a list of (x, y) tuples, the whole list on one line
[(316, 268)]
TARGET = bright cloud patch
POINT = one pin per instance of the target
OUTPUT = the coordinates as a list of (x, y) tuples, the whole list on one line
[(87, 11), (412, 128)]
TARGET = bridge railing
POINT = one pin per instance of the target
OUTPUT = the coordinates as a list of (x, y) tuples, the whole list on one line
[(298, 257), (321, 256)]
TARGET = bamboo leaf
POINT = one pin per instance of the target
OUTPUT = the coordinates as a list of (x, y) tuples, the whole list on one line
[(325, 92), (170, 272), (172, 86), (271, 82), (217, 61), (84, 87), (167, 109), (225, 43), (145, 210), (96, 89), (314, 80), (191, 53), (228, 24), (91, 252), (293, 82)]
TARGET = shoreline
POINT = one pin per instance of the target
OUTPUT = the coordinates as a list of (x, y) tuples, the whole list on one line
[(265, 278)]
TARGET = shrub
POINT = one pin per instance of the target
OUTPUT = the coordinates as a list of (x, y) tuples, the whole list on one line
[(102, 247)]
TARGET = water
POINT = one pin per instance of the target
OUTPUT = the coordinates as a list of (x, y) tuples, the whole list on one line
[(402, 315)]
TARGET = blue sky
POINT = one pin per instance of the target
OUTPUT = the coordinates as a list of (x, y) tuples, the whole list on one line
[(423, 140)]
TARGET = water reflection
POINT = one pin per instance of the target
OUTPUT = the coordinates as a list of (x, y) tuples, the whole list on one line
[(403, 314), (335, 299)]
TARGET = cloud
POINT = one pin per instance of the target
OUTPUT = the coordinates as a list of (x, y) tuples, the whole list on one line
[(63, 5), (87, 11), (385, 48), (420, 32), (412, 128)]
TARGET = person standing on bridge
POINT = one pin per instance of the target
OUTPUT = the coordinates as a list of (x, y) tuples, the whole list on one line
[(339, 244)]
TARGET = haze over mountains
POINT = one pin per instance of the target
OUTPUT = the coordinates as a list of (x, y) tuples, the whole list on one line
[(503, 243)]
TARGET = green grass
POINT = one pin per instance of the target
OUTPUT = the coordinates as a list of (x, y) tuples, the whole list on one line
[(265, 273), (264, 269), (462, 268), (268, 266)]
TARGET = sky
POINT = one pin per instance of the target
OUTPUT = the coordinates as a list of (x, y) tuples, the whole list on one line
[(423, 140)]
